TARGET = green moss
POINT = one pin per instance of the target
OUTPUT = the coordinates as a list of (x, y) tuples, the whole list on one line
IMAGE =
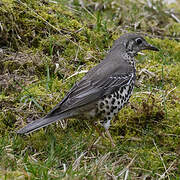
[(11, 66), (55, 41)]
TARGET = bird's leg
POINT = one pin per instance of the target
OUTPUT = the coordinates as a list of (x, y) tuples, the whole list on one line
[(110, 138), (98, 130), (107, 133), (106, 125)]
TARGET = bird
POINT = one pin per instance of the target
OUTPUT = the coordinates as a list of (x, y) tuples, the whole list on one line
[(104, 89)]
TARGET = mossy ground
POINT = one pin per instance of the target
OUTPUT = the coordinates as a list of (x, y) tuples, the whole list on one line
[(43, 44)]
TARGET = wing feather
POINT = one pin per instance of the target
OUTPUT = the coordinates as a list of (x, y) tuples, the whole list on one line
[(86, 92)]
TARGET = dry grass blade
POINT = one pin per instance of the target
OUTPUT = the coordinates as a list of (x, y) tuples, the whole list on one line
[(102, 159), (126, 174), (160, 157), (64, 168), (126, 169), (76, 73), (112, 176), (77, 161), (169, 168), (144, 70), (169, 92)]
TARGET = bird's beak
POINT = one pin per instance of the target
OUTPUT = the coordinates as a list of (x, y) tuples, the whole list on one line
[(150, 47)]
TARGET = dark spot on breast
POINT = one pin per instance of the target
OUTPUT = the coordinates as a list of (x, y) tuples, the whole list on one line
[(109, 96), (108, 113), (113, 100), (101, 105), (115, 107), (119, 108), (107, 107), (117, 95), (103, 111), (119, 102), (106, 101), (121, 90), (109, 118)]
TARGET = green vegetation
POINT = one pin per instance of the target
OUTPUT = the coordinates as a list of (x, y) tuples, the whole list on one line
[(43, 44)]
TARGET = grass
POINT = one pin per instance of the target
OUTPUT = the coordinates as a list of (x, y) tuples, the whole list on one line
[(45, 48)]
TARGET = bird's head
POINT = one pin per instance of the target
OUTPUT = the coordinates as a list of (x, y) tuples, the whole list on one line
[(133, 43)]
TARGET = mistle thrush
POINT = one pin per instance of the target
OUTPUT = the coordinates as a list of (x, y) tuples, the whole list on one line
[(103, 91)]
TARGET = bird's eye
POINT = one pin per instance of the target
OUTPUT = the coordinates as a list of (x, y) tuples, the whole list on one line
[(138, 40)]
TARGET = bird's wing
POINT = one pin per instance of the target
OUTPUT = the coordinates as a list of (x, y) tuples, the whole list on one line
[(112, 73), (87, 91)]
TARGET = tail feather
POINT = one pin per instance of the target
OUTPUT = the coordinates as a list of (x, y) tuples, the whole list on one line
[(40, 123)]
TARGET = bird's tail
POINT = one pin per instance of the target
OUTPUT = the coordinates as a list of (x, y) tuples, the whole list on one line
[(42, 122)]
